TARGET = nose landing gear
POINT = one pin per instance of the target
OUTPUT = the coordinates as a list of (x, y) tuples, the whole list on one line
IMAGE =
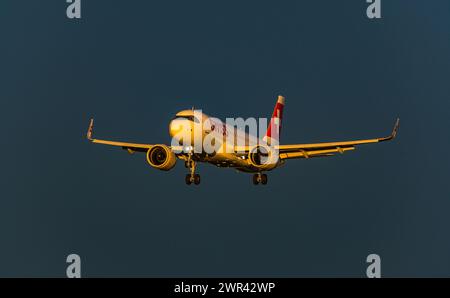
[(192, 177), (259, 178)]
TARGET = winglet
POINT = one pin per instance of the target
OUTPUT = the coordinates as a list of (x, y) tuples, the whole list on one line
[(90, 129), (394, 132), (396, 126)]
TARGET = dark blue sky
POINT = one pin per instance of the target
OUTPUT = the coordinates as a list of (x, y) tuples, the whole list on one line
[(133, 64)]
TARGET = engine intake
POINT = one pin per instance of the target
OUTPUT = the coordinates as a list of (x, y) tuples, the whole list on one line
[(263, 157), (161, 157)]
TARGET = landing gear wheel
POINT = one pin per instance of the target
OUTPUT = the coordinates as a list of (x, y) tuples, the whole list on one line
[(192, 177), (188, 179), (255, 179), (263, 179)]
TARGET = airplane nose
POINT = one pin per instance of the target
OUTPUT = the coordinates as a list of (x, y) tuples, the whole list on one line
[(177, 126)]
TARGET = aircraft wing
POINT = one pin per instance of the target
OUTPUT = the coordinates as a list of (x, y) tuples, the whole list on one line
[(130, 147), (328, 149)]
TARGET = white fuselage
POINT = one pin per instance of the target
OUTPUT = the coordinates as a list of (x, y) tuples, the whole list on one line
[(201, 130)]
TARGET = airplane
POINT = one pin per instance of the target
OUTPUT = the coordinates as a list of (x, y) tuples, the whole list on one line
[(247, 158)]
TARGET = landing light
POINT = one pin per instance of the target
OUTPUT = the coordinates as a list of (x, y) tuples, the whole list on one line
[(188, 149)]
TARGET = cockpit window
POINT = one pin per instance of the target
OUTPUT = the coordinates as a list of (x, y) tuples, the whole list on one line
[(191, 118)]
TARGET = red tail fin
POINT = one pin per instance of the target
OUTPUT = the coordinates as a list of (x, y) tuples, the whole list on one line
[(274, 129)]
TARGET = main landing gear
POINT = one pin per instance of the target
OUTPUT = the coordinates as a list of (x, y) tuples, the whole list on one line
[(192, 177), (259, 178)]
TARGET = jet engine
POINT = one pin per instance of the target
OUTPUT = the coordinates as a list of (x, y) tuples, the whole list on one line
[(263, 157), (161, 157)]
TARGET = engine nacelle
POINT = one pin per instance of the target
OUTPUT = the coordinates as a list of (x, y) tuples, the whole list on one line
[(263, 157), (161, 157)]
